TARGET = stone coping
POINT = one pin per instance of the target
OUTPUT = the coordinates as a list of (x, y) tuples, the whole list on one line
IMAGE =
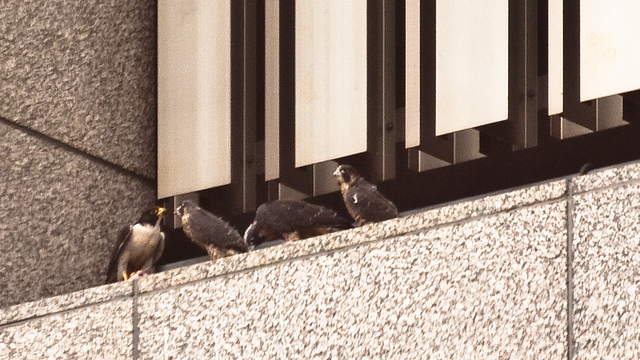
[(415, 221), (56, 304), (605, 177)]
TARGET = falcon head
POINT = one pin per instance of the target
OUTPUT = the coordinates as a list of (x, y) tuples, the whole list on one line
[(346, 174), (151, 215), (185, 206), (252, 236)]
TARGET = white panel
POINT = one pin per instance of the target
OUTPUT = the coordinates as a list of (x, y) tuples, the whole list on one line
[(471, 63), (412, 65), (272, 95), (609, 47), (555, 57), (331, 79), (194, 106)]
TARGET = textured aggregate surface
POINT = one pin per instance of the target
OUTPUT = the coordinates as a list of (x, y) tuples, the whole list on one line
[(606, 177), (606, 277), (95, 332), (479, 279), (60, 217), (64, 302), (89, 67), (491, 288)]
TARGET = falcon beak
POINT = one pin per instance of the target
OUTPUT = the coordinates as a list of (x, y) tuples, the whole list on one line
[(161, 211), (337, 172)]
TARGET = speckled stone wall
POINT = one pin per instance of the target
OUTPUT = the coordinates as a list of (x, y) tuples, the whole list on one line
[(543, 272), (606, 265), (470, 290), (60, 216), (77, 138), (83, 72)]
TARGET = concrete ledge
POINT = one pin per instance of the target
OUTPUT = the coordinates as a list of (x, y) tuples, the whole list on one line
[(606, 243), (465, 290), (606, 177), (96, 332), (61, 303), (482, 278)]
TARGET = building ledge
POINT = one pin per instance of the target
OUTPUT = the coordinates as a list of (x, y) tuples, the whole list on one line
[(483, 277)]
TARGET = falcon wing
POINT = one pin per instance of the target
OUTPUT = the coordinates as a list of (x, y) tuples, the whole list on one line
[(368, 205), (295, 219), (124, 236), (279, 215), (290, 215), (324, 217), (211, 230)]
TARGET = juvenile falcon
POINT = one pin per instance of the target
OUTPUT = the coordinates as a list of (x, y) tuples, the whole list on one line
[(210, 232), (292, 220), (138, 247), (362, 199)]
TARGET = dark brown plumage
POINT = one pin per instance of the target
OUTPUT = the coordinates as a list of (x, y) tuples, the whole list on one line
[(138, 247), (292, 220), (210, 232), (362, 199)]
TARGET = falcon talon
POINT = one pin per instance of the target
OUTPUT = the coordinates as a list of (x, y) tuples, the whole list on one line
[(136, 275)]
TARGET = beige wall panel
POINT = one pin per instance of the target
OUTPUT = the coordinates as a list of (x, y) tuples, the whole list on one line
[(412, 65), (194, 105), (609, 47), (331, 79), (471, 63), (272, 95), (555, 57)]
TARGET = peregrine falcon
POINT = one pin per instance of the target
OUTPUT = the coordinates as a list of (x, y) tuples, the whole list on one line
[(138, 247), (210, 232), (362, 199), (292, 220)]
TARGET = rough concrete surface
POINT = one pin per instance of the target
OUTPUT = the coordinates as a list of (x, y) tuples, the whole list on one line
[(94, 332), (479, 279), (489, 288), (60, 303), (609, 176), (61, 213), (606, 265), (89, 67)]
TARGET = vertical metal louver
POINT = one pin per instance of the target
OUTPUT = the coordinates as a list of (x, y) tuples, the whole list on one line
[(194, 100)]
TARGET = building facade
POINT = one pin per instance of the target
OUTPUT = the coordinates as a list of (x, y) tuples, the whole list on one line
[(78, 144), (547, 271), (107, 108)]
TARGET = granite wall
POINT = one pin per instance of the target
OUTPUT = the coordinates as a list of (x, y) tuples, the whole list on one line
[(548, 271), (77, 138)]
